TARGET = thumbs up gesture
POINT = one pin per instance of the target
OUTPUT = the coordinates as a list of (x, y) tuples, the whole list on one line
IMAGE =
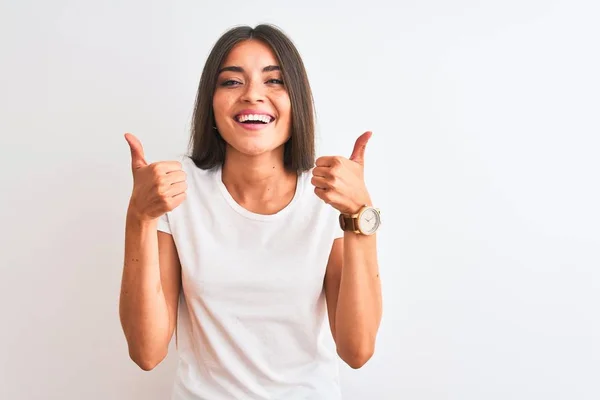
[(340, 181), (158, 187)]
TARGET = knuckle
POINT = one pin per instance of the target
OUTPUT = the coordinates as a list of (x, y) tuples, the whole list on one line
[(334, 182), (169, 204), (157, 178), (163, 198), (155, 167), (161, 188)]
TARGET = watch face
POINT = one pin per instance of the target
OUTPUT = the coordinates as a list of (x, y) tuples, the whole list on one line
[(369, 221)]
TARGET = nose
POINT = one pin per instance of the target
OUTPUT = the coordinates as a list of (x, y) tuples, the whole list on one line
[(253, 93)]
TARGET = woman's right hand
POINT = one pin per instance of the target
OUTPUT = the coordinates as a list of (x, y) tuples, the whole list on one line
[(157, 188)]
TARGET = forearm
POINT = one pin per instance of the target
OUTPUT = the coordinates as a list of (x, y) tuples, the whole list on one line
[(142, 305), (359, 304)]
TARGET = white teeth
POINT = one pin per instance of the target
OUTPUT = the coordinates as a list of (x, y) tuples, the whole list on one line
[(254, 117)]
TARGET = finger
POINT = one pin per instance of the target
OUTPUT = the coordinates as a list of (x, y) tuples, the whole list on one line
[(320, 182), (137, 152), (358, 154), (176, 189), (175, 177), (325, 161), (175, 201), (169, 167), (328, 196), (325, 172), (321, 193)]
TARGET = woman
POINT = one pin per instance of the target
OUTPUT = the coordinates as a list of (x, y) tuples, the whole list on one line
[(241, 245)]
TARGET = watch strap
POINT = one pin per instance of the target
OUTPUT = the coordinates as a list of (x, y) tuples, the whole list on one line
[(348, 223)]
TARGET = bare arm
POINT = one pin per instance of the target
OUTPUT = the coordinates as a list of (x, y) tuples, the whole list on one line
[(352, 285), (353, 292), (151, 279), (149, 291)]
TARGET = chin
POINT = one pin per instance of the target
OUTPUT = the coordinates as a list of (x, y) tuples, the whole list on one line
[(255, 146), (254, 149)]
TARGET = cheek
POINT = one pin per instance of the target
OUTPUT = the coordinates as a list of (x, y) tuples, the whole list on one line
[(220, 104), (284, 105)]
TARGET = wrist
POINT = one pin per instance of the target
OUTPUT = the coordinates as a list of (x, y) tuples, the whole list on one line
[(365, 221), (359, 205), (137, 219)]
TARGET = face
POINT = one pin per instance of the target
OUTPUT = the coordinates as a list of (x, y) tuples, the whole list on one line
[(251, 104)]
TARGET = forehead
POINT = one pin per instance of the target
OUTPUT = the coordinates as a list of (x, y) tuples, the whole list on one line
[(251, 54)]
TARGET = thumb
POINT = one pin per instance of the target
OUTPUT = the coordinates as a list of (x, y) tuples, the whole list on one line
[(137, 152), (358, 154)]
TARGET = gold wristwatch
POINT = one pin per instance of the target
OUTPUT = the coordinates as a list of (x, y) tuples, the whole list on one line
[(365, 222)]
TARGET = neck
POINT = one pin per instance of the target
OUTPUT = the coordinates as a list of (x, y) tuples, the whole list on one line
[(259, 183)]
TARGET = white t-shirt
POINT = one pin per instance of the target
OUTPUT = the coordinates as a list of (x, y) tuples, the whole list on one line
[(252, 319)]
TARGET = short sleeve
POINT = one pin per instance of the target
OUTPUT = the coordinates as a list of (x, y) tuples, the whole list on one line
[(163, 224), (337, 229)]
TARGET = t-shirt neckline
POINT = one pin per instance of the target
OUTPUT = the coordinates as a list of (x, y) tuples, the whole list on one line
[(252, 215)]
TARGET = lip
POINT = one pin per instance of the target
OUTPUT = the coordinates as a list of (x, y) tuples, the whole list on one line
[(253, 127), (256, 112)]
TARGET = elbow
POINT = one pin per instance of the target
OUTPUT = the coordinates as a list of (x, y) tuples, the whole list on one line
[(147, 365), (358, 357), (147, 362), (146, 353)]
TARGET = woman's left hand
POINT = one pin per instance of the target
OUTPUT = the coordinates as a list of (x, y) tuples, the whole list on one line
[(340, 181)]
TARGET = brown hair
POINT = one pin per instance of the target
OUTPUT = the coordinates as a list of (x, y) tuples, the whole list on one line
[(206, 144)]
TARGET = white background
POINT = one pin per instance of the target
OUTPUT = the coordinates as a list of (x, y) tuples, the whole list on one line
[(484, 159)]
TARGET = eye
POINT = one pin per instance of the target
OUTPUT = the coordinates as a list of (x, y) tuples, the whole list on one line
[(275, 81), (230, 82)]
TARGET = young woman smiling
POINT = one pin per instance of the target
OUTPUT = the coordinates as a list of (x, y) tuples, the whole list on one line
[(245, 246)]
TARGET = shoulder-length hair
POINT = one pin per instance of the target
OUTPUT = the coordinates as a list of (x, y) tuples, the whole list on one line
[(206, 144)]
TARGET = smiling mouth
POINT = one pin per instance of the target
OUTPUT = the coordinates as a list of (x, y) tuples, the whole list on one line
[(254, 119)]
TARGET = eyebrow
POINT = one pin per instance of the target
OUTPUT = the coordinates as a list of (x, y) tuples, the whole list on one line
[(234, 68)]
